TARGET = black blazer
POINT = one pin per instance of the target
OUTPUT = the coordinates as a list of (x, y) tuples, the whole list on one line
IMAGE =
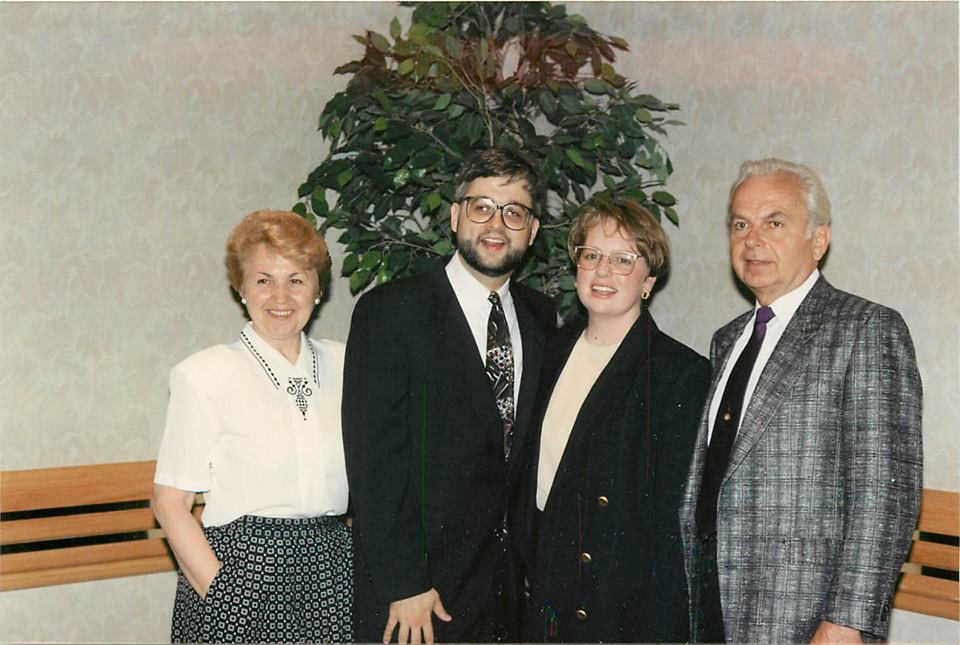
[(608, 541), (429, 486)]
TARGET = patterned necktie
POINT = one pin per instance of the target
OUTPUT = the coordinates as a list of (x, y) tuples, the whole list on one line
[(725, 426), (500, 367)]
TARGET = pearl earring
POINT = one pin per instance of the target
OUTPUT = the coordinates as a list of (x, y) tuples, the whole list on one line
[(316, 301), (243, 301)]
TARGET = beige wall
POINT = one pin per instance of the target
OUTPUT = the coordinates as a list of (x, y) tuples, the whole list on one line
[(134, 136)]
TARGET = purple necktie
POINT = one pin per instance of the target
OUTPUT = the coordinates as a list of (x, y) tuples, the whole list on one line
[(725, 426)]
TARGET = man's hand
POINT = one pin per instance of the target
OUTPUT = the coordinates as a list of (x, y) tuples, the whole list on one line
[(829, 632), (413, 617)]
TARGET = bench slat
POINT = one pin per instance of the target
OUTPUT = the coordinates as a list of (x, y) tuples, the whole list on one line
[(927, 586), (82, 555), (939, 512), (84, 573), (71, 526), (927, 605), (22, 490), (930, 554)]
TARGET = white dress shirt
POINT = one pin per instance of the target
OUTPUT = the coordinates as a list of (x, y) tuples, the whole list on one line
[(473, 299), (255, 433), (783, 308)]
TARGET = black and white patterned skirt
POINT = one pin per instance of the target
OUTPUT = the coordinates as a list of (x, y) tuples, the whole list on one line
[(282, 581)]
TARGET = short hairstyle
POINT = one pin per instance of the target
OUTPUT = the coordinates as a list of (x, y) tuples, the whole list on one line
[(634, 222), (815, 195), (500, 162), (286, 234)]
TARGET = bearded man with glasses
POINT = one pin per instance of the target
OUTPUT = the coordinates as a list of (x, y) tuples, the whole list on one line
[(440, 374)]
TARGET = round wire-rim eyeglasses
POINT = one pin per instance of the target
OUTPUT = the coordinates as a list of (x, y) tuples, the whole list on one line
[(481, 209), (620, 262)]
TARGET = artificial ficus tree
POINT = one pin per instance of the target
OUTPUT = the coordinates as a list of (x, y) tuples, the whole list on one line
[(466, 76)]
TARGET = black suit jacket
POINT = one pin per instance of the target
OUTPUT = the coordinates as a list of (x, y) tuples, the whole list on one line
[(608, 540), (423, 439)]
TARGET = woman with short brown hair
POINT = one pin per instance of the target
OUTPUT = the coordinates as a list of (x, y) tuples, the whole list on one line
[(255, 426)]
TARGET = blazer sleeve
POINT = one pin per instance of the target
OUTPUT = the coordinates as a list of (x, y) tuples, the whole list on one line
[(880, 424), (381, 454)]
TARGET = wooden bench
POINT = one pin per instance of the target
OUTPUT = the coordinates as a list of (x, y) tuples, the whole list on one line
[(80, 523), (924, 587), (74, 524)]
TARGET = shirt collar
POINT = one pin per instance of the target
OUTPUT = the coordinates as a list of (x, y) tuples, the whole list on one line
[(468, 287), (275, 365), (786, 305)]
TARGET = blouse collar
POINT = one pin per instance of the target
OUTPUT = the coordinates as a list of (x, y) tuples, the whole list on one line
[(275, 366)]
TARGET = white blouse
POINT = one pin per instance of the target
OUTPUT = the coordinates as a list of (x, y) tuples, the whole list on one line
[(256, 434)]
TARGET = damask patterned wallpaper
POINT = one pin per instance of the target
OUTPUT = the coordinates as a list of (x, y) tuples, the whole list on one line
[(135, 135)]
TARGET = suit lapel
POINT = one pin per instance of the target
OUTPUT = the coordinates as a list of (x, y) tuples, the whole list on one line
[(458, 351), (533, 341), (780, 373), (608, 390)]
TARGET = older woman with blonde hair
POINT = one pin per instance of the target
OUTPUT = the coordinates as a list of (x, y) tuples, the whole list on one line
[(254, 425), (618, 407)]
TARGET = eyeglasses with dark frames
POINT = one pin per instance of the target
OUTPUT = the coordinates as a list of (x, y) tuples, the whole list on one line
[(481, 210), (620, 262)]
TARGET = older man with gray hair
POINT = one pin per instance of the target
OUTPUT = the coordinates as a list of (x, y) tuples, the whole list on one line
[(805, 483)]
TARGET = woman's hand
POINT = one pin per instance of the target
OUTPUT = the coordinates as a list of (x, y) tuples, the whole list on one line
[(205, 588), (197, 561)]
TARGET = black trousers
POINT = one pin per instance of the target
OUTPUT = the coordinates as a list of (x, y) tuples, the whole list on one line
[(708, 616)]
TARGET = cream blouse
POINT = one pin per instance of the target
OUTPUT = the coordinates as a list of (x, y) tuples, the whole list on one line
[(255, 433), (582, 370)]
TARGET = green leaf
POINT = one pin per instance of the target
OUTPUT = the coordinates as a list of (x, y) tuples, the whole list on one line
[(453, 47), (370, 260), (574, 155), (643, 116), (318, 203), (344, 178), (442, 102), (395, 29), (433, 200), (571, 47), (597, 86), (455, 111), (663, 198), (401, 178), (334, 130), (350, 264), (548, 102), (380, 124), (359, 279), (379, 43), (443, 247), (406, 66), (300, 209), (384, 275), (672, 216), (420, 33)]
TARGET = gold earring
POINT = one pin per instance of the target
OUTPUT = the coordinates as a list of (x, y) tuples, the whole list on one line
[(645, 295)]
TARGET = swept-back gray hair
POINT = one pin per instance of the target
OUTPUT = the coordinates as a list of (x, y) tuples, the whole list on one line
[(815, 195)]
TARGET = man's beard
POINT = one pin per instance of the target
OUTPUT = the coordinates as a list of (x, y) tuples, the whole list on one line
[(510, 262)]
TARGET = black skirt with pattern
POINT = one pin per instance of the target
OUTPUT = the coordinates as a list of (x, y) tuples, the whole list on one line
[(281, 581)]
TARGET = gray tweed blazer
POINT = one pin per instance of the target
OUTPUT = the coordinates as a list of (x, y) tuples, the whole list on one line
[(821, 497)]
